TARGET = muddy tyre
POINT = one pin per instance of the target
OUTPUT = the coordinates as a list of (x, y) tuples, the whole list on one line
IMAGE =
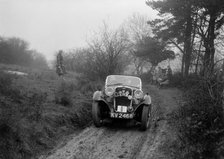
[(145, 119), (96, 115)]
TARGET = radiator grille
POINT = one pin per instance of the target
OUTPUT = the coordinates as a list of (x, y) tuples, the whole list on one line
[(123, 101)]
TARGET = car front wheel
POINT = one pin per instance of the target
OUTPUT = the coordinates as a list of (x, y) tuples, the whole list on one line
[(145, 122), (96, 115)]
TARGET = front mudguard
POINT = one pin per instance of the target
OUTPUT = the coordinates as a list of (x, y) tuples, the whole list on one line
[(97, 97), (139, 108), (146, 101)]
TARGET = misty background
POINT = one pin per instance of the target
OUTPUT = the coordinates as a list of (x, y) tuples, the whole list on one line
[(56, 24)]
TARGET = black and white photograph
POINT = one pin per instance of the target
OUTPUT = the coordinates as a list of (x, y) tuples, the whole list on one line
[(111, 79)]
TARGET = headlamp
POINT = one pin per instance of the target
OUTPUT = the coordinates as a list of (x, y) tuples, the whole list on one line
[(138, 94), (109, 91)]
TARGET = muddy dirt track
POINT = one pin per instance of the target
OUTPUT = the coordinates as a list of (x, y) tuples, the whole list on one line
[(118, 140)]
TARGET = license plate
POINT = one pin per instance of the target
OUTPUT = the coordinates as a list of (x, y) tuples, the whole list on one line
[(121, 115), (122, 109)]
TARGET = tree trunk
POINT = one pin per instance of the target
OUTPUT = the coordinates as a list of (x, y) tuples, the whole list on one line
[(210, 47), (198, 58), (188, 41), (183, 63)]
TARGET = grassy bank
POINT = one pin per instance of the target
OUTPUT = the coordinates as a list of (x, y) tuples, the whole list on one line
[(38, 109)]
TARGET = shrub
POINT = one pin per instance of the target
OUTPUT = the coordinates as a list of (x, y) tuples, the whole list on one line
[(82, 115), (200, 121), (20, 111), (5, 82), (65, 93), (178, 80), (78, 97), (146, 77), (35, 105)]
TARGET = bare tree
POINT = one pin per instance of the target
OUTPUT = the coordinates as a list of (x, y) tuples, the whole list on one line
[(138, 29), (106, 54), (109, 49)]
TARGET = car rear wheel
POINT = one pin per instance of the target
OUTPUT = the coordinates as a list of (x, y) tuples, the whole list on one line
[(145, 122), (96, 115)]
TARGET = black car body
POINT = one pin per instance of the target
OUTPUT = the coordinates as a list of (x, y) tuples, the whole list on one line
[(122, 98)]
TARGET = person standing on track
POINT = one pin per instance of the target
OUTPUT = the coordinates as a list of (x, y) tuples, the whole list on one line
[(60, 68)]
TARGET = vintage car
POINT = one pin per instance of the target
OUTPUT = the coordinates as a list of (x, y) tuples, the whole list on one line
[(122, 98)]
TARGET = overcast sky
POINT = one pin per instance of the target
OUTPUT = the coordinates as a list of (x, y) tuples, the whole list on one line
[(50, 25)]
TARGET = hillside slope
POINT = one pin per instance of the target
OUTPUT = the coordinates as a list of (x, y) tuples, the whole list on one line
[(37, 109)]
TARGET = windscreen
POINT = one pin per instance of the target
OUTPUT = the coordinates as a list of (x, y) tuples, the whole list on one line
[(130, 81)]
